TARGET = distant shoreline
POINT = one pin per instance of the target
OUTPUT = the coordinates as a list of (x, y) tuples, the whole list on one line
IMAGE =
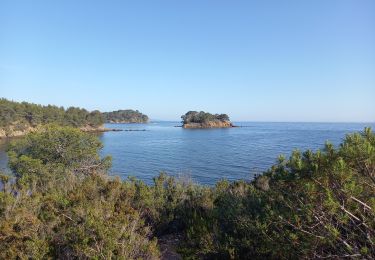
[(19, 133)]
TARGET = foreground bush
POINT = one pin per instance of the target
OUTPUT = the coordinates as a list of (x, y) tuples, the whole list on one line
[(62, 205), (314, 205)]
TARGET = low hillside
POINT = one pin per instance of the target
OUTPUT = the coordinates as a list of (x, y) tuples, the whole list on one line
[(125, 116)]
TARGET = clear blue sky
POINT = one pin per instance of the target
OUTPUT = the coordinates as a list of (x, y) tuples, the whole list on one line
[(255, 60)]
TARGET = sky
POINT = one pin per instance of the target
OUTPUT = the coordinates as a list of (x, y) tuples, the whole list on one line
[(254, 60)]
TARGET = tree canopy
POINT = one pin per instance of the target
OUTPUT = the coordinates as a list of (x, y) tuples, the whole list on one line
[(125, 116), (21, 113)]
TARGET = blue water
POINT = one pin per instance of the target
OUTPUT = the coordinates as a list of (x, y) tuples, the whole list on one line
[(3, 156), (207, 155)]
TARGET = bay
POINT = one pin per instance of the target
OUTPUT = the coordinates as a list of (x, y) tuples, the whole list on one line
[(208, 155)]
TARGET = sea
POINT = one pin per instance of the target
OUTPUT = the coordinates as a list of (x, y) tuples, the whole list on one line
[(208, 155)]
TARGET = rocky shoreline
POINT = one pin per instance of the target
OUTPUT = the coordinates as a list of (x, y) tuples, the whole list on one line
[(93, 129), (210, 124), (14, 132)]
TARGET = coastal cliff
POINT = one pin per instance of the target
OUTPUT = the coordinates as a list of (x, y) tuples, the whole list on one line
[(211, 124), (194, 119), (15, 131)]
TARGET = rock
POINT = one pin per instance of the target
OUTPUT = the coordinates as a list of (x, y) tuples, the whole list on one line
[(16, 130), (262, 183), (209, 124), (2, 133), (89, 128)]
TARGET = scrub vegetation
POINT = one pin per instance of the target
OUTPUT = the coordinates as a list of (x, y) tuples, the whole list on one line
[(60, 203)]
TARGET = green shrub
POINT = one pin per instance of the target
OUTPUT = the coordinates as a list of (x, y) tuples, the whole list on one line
[(314, 205), (62, 204)]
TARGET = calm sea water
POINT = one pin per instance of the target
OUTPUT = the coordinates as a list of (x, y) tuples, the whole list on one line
[(207, 155)]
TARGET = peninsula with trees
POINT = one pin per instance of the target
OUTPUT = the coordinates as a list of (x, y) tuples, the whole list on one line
[(125, 116), (194, 119), (20, 118)]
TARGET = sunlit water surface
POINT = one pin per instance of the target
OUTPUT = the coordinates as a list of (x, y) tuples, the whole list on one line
[(207, 155)]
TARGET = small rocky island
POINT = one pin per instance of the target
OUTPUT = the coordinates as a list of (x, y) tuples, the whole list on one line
[(194, 119), (125, 117)]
